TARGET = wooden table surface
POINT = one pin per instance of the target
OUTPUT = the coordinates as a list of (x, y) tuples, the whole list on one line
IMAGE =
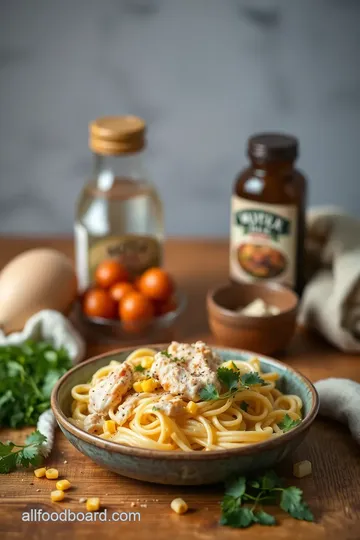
[(333, 491)]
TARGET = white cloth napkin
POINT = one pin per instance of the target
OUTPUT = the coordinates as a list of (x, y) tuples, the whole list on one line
[(340, 400), (331, 299), (51, 326)]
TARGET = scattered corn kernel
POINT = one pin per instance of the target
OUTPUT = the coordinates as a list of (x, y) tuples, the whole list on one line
[(179, 506), (39, 473), (110, 426), (93, 504), (302, 468), (147, 362), (52, 474), (57, 495), (63, 485), (137, 386), (191, 407), (149, 385)]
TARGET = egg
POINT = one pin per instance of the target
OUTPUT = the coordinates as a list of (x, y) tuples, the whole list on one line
[(34, 280)]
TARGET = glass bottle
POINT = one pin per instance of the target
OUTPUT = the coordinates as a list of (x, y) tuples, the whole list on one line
[(267, 214), (119, 213)]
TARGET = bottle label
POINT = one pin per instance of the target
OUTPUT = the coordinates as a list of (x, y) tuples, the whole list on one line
[(136, 252), (263, 241)]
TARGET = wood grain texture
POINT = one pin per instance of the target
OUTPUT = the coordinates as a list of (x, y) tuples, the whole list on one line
[(333, 491)]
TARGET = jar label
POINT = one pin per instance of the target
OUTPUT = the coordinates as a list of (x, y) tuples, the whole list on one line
[(136, 252), (263, 241)]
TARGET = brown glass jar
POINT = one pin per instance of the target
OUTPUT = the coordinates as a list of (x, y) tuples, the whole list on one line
[(267, 214)]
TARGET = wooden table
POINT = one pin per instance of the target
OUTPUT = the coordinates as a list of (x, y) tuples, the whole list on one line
[(333, 491)]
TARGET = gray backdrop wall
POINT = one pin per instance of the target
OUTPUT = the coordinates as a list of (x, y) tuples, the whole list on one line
[(204, 73)]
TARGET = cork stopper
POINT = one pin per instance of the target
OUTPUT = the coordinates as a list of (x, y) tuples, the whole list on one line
[(113, 135)]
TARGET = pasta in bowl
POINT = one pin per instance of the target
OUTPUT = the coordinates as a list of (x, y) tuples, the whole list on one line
[(161, 413)]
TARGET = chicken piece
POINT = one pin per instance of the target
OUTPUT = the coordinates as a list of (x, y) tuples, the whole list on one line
[(186, 369), (93, 423), (126, 408), (170, 405), (109, 391)]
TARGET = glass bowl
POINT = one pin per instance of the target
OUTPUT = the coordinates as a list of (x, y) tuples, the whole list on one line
[(160, 329)]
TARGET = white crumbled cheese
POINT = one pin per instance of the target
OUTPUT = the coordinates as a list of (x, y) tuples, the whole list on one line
[(258, 308), (302, 468)]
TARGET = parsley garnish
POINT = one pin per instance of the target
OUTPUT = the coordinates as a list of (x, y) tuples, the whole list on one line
[(288, 423), (209, 393), (27, 454), (232, 381), (256, 491), (28, 373), (165, 353), (139, 367), (155, 408), (229, 378), (248, 379), (244, 406)]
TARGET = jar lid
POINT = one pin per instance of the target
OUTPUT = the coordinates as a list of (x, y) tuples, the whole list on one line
[(273, 147), (111, 135)]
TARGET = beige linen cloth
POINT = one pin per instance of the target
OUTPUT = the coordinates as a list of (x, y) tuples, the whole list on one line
[(331, 298)]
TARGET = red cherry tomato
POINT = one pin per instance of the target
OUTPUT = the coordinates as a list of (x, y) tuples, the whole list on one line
[(156, 284), (98, 303), (110, 272), (135, 307), (119, 290)]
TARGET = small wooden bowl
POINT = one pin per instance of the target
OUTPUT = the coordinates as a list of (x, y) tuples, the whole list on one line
[(267, 334)]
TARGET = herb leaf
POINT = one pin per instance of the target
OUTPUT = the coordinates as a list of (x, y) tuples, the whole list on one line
[(236, 488), (208, 393), (244, 406), (228, 378), (139, 367), (257, 491), (28, 454), (263, 518), (27, 374), (242, 517), (248, 379), (288, 423), (292, 503)]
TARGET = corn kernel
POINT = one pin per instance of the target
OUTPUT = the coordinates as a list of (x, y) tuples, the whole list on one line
[(191, 407), (179, 506), (147, 362), (39, 473), (137, 386), (93, 504), (52, 474), (149, 385), (63, 485), (230, 365), (110, 426), (302, 468), (57, 495)]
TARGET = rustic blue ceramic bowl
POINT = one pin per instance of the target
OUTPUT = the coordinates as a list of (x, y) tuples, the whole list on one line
[(181, 468)]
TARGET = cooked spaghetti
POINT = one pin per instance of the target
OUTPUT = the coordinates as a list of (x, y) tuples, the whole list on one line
[(184, 398)]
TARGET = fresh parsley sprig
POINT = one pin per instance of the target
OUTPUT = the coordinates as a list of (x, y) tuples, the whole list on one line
[(233, 381), (288, 423), (15, 455), (256, 491), (139, 368), (28, 373)]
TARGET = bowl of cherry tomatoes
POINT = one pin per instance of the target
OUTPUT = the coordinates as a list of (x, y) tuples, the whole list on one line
[(121, 307)]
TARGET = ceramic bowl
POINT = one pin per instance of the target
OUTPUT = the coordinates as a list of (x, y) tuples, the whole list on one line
[(184, 468), (267, 334)]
